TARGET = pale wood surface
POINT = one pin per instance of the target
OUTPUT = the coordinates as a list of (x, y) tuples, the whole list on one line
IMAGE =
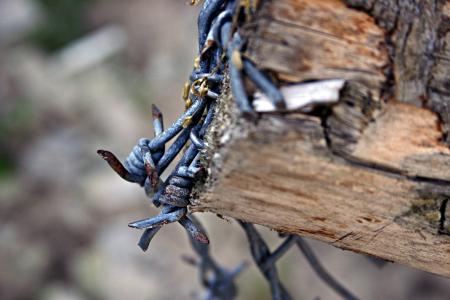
[(368, 174), (281, 174)]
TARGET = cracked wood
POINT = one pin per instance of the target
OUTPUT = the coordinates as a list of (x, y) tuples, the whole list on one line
[(369, 174)]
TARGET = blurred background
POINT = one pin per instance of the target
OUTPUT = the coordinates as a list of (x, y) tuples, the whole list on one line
[(79, 75)]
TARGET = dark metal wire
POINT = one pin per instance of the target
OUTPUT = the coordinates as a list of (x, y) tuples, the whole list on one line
[(320, 270), (218, 281), (219, 38), (261, 255)]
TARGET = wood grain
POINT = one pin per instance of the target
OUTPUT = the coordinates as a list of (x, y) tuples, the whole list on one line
[(319, 40), (368, 174), (281, 174)]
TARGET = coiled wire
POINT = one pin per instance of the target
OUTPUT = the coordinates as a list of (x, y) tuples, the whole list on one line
[(218, 37)]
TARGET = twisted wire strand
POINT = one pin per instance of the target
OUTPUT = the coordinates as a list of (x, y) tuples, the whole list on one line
[(218, 38), (149, 159)]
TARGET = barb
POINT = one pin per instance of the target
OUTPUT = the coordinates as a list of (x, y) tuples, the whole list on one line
[(158, 124), (161, 219), (220, 46), (218, 281), (117, 166), (147, 237)]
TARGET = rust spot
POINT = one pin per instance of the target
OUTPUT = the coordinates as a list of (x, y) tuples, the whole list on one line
[(201, 238)]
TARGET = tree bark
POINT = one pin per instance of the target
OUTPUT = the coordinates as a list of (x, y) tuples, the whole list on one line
[(368, 174)]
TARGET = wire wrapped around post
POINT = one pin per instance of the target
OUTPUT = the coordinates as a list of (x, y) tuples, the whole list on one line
[(220, 46)]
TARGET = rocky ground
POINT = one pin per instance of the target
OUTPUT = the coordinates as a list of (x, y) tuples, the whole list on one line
[(64, 213)]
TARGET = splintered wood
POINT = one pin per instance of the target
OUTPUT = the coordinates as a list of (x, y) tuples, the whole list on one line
[(370, 174)]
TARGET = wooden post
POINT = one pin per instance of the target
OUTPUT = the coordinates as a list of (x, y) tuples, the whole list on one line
[(368, 174)]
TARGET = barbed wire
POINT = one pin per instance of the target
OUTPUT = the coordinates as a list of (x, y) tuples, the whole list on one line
[(220, 46)]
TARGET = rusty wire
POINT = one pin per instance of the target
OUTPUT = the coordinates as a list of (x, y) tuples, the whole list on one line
[(220, 46)]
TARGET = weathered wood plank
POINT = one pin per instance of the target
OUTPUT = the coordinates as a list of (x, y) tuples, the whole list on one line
[(368, 174), (281, 174)]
